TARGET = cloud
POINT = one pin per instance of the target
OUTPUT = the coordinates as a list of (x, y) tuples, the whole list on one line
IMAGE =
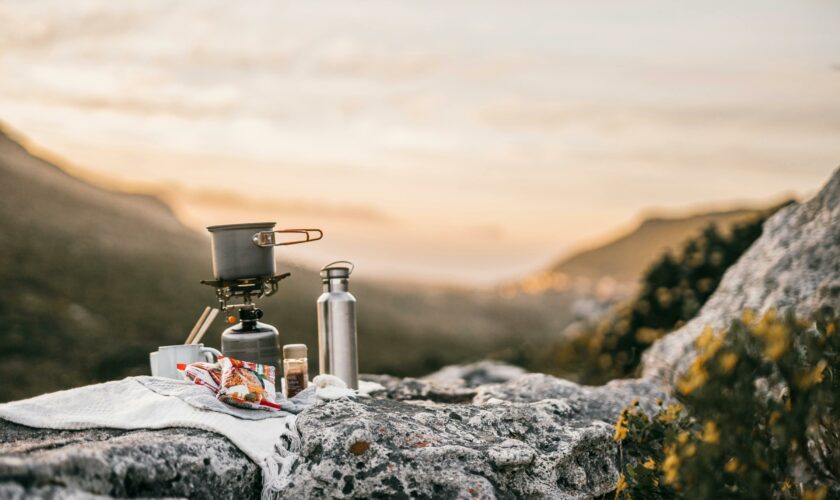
[(347, 58), (221, 200), (490, 232)]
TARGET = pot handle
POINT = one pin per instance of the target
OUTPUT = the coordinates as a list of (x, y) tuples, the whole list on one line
[(267, 238)]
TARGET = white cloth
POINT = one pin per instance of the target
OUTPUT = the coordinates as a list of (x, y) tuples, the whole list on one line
[(329, 387), (272, 443)]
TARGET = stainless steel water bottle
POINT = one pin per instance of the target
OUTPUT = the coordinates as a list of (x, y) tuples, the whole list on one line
[(337, 353)]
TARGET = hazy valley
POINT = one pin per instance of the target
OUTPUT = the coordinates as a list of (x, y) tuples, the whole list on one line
[(95, 279)]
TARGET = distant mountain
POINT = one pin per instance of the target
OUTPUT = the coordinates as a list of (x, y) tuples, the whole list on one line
[(619, 263), (95, 279)]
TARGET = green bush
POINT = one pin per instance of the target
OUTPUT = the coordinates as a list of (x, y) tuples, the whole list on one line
[(759, 417), (672, 291)]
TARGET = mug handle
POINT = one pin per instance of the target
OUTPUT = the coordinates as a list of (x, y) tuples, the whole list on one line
[(210, 354), (267, 238)]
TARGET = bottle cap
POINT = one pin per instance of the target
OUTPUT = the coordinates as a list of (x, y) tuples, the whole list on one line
[(338, 269), (294, 351)]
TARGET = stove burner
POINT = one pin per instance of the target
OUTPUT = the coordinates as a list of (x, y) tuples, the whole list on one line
[(247, 288)]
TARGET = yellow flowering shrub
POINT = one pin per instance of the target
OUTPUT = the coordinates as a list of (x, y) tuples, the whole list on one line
[(758, 417)]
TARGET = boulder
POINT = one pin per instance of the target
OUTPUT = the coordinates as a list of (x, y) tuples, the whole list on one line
[(483, 430)]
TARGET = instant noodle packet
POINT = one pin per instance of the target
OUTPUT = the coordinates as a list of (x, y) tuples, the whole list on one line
[(206, 374), (247, 385)]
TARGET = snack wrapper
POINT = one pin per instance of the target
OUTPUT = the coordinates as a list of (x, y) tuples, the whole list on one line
[(247, 385), (206, 374)]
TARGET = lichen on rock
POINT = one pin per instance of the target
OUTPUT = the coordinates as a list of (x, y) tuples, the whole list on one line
[(422, 449)]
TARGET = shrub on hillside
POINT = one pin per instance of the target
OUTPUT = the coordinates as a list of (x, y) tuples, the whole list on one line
[(673, 290), (759, 417)]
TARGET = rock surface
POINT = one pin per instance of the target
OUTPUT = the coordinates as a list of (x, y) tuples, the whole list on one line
[(428, 450), (38, 463), (483, 430), (534, 436)]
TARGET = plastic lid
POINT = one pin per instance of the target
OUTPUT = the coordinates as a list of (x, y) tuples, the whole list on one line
[(294, 351), (337, 269)]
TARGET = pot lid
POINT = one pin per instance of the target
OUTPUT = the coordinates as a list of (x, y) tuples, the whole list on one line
[(247, 225)]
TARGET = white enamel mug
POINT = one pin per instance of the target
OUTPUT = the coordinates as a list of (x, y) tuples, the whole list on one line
[(165, 361)]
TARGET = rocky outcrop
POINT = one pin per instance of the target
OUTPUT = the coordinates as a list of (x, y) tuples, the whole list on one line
[(533, 436), (795, 264), (529, 435), (484, 430)]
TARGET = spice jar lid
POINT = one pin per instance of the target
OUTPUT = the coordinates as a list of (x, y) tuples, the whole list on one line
[(294, 351)]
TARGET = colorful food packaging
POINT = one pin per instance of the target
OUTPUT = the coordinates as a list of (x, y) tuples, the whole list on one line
[(207, 374), (247, 385)]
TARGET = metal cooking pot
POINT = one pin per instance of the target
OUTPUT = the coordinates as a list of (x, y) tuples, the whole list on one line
[(247, 250)]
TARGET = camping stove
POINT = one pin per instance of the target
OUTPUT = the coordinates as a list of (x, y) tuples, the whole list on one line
[(244, 269), (248, 339)]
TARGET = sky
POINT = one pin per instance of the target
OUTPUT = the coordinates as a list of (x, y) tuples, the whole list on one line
[(443, 141)]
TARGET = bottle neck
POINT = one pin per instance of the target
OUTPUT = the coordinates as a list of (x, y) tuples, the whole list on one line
[(336, 285)]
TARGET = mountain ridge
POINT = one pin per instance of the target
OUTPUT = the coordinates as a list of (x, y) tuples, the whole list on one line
[(25, 160), (615, 265)]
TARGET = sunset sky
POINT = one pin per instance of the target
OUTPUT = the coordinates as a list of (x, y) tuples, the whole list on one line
[(465, 141)]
